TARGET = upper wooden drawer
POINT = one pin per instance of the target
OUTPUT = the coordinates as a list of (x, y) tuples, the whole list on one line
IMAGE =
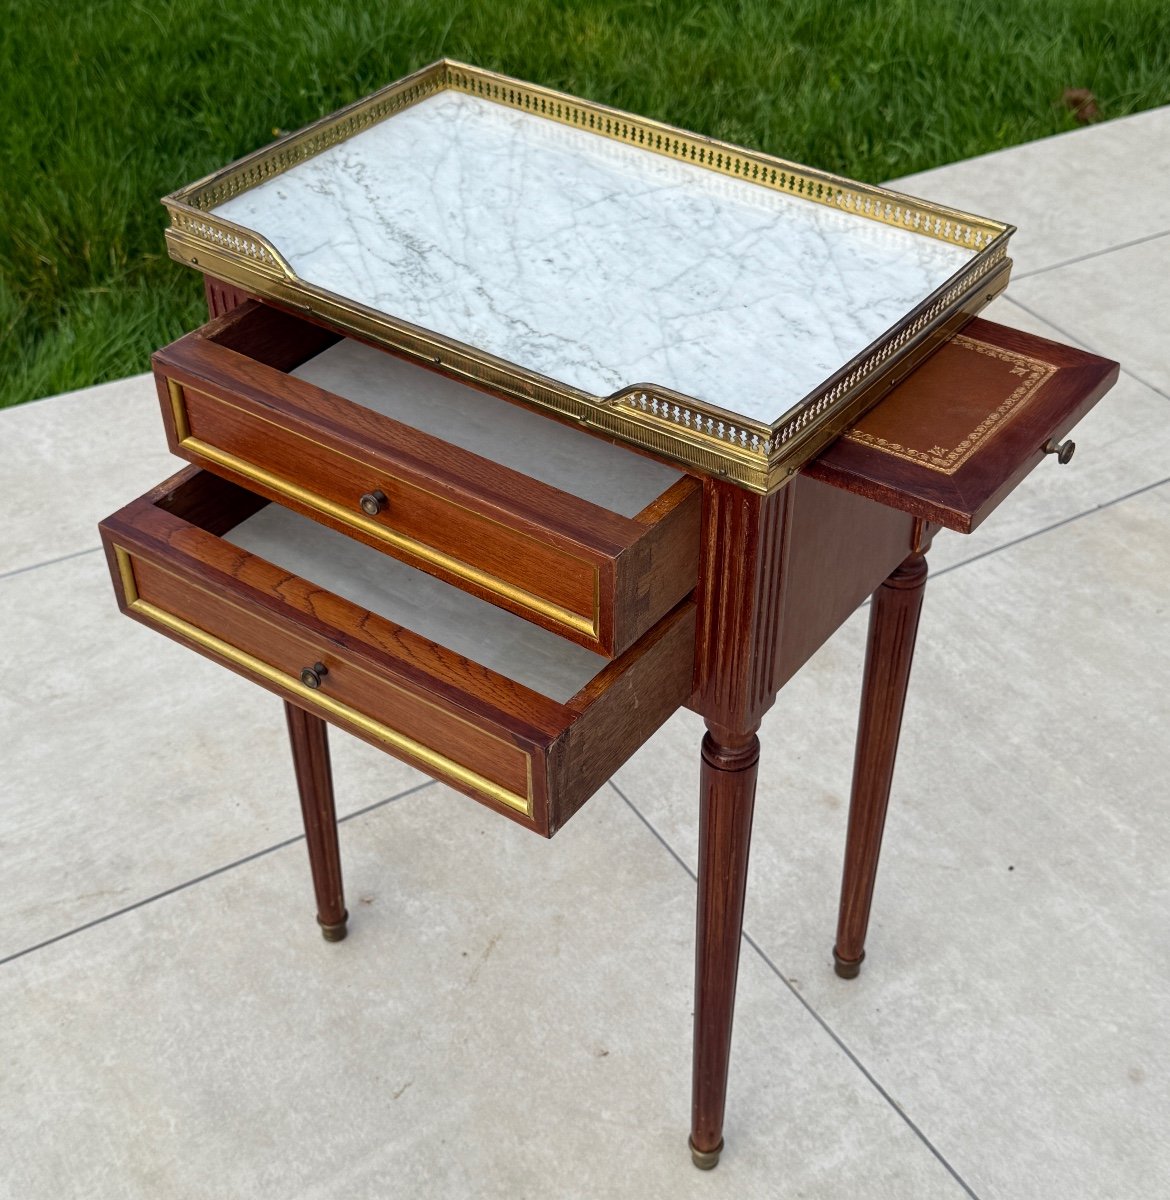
[(573, 533), (953, 439), (512, 715)]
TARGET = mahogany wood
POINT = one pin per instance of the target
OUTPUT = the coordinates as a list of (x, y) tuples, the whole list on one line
[(318, 453), (727, 791), (952, 440), (309, 739), (739, 601), (477, 719), (619, 709), (839, 548), (775, 576), (221, 297), (893, 628), (267, 335), (205, 500)]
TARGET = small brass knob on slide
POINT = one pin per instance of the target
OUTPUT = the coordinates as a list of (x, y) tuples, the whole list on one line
[(372, 503), (1062, 450), (311, 676)]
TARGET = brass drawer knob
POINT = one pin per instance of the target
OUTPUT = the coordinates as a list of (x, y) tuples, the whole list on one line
[(1063, 450), (311, 676), (372, 503)]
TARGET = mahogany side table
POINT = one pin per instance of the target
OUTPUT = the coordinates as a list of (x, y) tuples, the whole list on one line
[(430, 502), (776, 576)]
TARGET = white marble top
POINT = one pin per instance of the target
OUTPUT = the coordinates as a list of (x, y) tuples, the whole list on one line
[(471, 627), (590, 261)]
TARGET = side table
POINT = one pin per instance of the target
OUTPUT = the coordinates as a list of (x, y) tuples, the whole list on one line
[(713, 597)]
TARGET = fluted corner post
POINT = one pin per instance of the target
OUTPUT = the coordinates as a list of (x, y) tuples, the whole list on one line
[(893, 628), (221, 297), (737, 674), (309, 738)]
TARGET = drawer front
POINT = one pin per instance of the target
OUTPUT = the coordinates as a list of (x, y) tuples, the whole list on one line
[(269, 651), (521, 753), (594, 576), (467, 547)]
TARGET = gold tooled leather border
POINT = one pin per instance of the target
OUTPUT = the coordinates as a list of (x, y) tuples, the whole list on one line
[(947, 460)]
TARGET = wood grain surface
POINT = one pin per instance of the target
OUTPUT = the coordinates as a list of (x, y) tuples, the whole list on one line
[(591, 575), (481, 724)]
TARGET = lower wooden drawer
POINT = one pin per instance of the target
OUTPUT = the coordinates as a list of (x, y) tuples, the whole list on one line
[(504, 711)]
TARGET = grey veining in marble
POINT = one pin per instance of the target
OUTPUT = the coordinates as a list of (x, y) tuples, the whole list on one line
[(405, 595), (567, 458), (590, 261)]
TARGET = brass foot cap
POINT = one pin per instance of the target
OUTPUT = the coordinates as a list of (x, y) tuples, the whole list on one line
[(705, 1159), (334, 933), (847, 968)]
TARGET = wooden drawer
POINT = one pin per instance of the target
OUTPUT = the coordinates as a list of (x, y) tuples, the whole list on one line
[(583, 537), (509, 713)]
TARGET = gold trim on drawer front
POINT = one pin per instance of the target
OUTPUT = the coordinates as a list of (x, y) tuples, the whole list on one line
[(456, 566), (431, 759)]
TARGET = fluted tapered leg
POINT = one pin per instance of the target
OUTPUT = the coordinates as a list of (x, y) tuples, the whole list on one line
[(727, 796), (893, 627), (309, 736)]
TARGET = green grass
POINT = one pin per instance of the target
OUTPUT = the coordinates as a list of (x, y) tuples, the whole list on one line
[(107, 106)]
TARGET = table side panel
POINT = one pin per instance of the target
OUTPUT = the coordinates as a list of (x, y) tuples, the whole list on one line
[(839, 549)]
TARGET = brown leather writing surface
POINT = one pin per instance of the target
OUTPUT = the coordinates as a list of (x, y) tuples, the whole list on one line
[(957, 435)]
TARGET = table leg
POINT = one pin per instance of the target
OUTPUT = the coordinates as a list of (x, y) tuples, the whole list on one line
[(309, 736), (727, 795), (893, 626)]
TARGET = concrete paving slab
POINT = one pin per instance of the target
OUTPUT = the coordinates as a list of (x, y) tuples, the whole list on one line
[(1014, 1000), (1123, 445), (131, 764), (1072, 195), (508, 1017), (68, 461), (1120, 300)]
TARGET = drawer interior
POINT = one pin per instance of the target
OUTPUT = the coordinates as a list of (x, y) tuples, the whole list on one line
[(473, 629), (566, 458), (560, 455), (589, 539)]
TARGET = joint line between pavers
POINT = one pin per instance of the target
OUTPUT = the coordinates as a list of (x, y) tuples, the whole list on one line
[(1085, 346), (1068, 262), (1027, 537), (48, 562), (812, 1012), (180, 887)]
